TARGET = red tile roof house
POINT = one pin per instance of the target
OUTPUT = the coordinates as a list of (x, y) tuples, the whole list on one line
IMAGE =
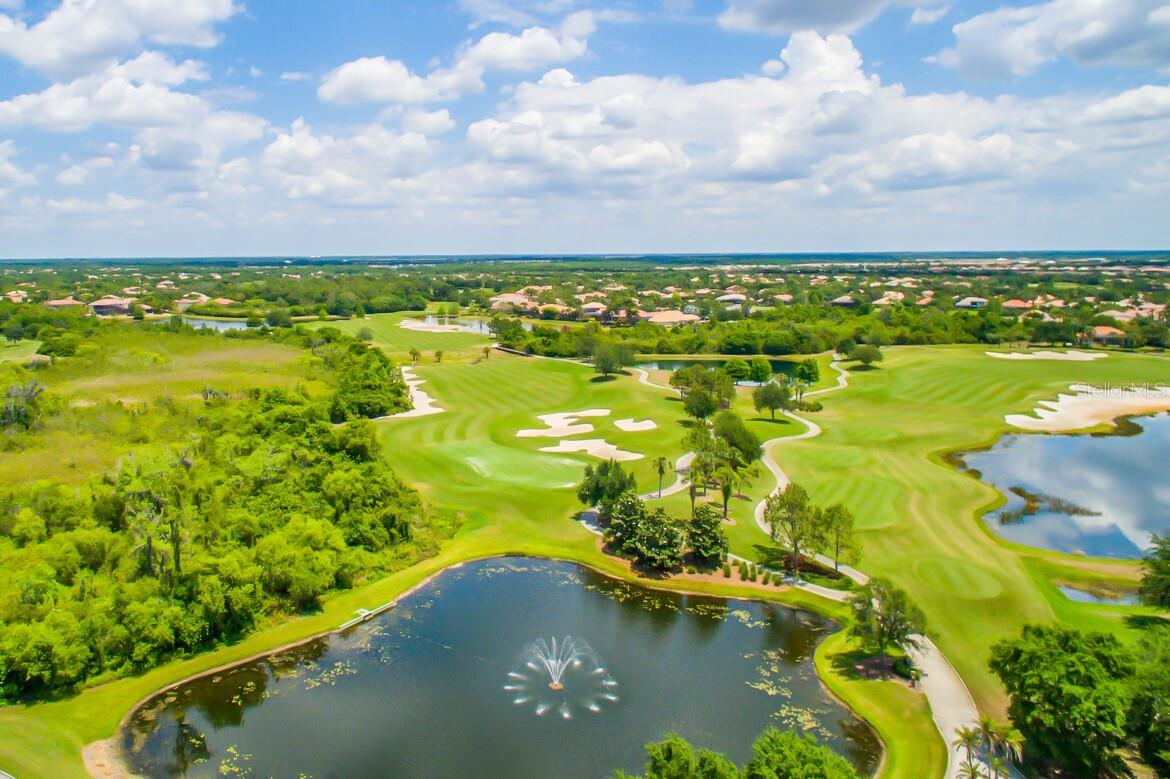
[(1105, 334), (65, 302), (1017, 305), (111, 306)]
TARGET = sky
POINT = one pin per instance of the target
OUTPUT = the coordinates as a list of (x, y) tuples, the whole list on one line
[(283, 127)]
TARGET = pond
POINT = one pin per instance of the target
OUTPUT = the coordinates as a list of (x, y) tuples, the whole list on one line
[(478, 326), (786, 367), (455, 681), (1085, 596), (1100, 495), (222, 325)]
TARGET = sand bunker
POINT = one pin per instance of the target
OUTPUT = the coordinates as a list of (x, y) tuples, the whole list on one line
[(422, 327), (598, 447), (424, 404), (563, 424), (1071, 355), (632, 426), (1091, 406)]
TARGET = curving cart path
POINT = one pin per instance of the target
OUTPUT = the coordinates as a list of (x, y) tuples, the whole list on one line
[(951, 704)]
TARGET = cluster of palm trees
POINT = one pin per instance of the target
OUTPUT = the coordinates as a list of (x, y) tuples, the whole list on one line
[(991, 743), (719, 463)]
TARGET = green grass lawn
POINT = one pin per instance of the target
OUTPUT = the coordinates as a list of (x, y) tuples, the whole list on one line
[(879, 454), (20, 351), (397, 341), (511, 498)]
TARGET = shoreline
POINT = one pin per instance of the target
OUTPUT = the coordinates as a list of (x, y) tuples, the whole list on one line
[(1091, 407)]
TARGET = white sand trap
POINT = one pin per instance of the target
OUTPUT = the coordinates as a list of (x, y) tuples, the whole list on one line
[(1091, 406), (598, 447), (632, 426), (1071, 355), (563, 424), (422, 327), (424, 404)]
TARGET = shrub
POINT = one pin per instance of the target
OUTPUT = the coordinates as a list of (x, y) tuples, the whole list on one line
[(726, 571)]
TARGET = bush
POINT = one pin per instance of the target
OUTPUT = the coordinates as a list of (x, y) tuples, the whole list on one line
[(726, 571)]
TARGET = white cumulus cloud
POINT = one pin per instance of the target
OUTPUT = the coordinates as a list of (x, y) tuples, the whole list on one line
[(1016, 40)]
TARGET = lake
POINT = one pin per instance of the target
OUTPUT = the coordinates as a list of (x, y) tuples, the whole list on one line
[(454, 682), (1100, 495), (222, 325), (786, 367), (478, 326)]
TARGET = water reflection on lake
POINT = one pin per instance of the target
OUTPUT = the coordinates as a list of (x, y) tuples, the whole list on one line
[(1097, 495), (433, 687), (478, 326), (786, 367), (222, 325)]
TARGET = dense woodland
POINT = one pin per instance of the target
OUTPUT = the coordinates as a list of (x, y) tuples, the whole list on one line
[(250, 507)]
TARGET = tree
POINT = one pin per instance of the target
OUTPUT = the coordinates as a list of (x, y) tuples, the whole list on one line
[(834, 534), (365, 335), (790, 516), (1149, 713), (884, 617), (1155, 589), (661, 465), (866, 354), (725, 478), (278, 317), (705, 535), (602, 485), (771, 396), (1068, 693), (776, 754), (737, 369), (783, 753), (415, 356), (700, 404), (760, 370), (808, 372), (660, 540), (626, 516), (610, 358), (438, 355), (675, 758), (743, 444), (968, 739), (487, 352)]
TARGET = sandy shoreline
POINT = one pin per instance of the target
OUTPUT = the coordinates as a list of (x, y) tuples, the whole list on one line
[(1091, 406)]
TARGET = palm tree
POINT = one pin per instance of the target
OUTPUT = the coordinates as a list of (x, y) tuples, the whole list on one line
[(998, 767), (661, 465), (1012, 743), (415, 356), (989, 731), (438, 355), (726, 479), (967, 738), (971, 770)]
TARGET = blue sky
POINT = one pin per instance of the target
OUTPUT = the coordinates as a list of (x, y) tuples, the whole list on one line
[(201, 127)]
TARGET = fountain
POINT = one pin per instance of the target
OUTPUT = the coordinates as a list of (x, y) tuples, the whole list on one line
[(559, 675)]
